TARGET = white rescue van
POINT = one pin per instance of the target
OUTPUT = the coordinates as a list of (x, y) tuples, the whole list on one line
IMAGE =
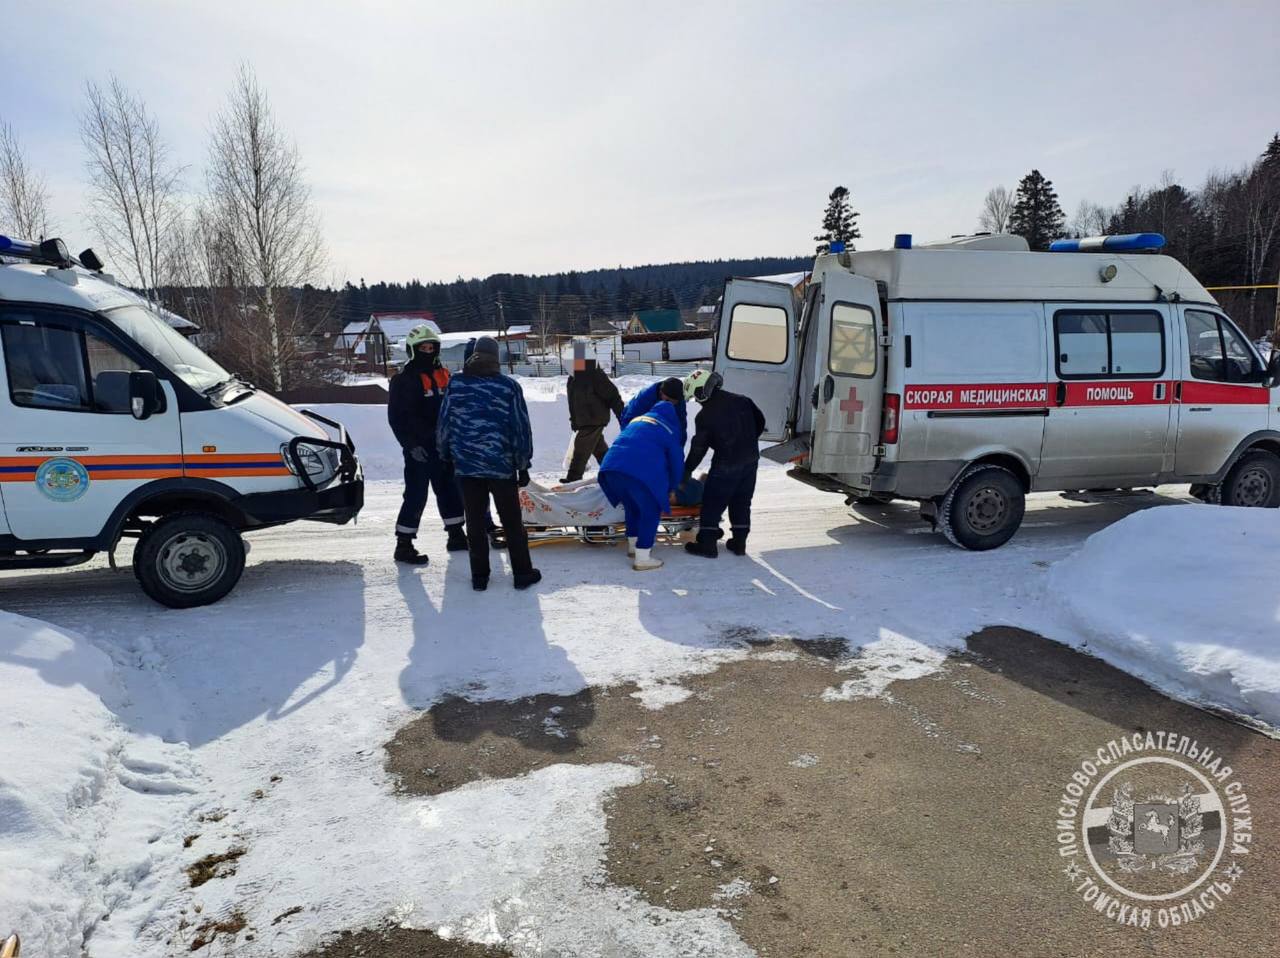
[(113, 425), (966, 374)]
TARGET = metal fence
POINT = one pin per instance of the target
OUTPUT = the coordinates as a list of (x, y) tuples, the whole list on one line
[(665, 369)]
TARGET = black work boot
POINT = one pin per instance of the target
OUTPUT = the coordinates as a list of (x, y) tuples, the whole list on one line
[(479, 582), (705, 545), (406, 553), (457, 539), (526, 579), (737, 544)]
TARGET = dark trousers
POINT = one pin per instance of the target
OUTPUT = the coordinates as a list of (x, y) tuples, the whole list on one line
[(731, 487), (506, 499), (419, 479), (587, 442)]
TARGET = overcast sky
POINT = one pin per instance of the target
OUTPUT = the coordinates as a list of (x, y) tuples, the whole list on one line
[(469, 138)]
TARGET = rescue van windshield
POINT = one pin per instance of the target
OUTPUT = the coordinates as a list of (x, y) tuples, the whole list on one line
[(179, 355)]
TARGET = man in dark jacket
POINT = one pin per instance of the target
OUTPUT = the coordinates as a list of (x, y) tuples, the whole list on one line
[(730, 425), (413, 407), (592, 397), (484, 431)]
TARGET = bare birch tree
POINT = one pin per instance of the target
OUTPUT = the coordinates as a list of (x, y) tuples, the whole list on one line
[(996, 210), (262, 206), (24, 198), (134, 185), (1090, 219)]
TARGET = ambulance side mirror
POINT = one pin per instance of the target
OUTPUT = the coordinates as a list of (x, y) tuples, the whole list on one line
[(1273, 368), (144, 393)]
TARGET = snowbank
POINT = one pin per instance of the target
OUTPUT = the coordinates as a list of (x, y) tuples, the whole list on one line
[(57, 740), (1184, 597), (548, 412)]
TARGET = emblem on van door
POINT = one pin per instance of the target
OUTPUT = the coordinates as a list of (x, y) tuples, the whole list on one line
[(62, 480)]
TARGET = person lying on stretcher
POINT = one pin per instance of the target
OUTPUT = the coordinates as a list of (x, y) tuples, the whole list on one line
[(641, 474)]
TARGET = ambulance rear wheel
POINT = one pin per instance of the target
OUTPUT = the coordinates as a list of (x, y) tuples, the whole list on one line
[(983, 509), (1254, 481), (189, 559)]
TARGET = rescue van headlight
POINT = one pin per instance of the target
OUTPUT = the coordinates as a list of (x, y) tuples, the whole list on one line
[(315, 461)]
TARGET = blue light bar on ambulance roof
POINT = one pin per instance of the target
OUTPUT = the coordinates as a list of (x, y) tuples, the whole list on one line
[(1126, 243)]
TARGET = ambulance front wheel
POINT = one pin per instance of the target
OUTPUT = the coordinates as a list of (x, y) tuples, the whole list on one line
[(983, 509), (189, 559), (1254, 481)]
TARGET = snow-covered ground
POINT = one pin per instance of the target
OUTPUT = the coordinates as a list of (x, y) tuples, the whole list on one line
[(145, 739)]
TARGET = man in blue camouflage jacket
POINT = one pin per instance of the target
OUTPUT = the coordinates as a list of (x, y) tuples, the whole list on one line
[(484, 430)]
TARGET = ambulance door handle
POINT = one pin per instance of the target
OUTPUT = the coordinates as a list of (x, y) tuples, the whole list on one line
[(828, 389), (1177, 392), (1062, 394)]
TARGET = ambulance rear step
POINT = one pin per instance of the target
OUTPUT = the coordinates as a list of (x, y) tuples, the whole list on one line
[(821, 482), (790, 451)]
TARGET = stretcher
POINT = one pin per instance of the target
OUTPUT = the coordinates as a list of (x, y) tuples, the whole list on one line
[(580, 512)]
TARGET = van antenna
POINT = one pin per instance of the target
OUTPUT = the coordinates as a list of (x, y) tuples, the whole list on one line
[(1160, 296)]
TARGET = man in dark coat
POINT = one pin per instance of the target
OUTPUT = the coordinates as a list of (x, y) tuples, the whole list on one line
[(592, 397), (484, 431), (730, 425), (414, 398)]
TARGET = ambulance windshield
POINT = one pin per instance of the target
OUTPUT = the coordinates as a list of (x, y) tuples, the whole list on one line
[(157, 337)]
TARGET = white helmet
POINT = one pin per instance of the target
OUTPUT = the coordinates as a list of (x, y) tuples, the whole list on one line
[(700, 384)]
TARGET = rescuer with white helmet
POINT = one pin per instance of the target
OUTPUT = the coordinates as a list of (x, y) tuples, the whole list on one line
[(413, 409), (730, 426)]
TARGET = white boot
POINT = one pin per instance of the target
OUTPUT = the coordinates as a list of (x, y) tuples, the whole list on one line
[(644, 562), (631, 546)]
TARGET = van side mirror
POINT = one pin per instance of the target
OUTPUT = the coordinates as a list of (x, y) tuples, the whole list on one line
[(144, 393), (1273, 367)]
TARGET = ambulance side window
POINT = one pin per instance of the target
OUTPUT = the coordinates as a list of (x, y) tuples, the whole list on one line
[(1109, 345), (1218, 352), (1082, 344)]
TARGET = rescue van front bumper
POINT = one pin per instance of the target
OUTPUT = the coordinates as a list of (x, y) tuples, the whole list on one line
[(337, 504)]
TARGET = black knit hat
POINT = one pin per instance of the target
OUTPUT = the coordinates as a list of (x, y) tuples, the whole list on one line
[(487, 344), (672, 388)]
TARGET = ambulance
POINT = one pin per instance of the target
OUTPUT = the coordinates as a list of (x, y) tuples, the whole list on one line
[(112, 425), (965, 374)]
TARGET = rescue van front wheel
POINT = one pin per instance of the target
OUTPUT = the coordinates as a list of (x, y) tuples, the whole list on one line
[(189, 559), (983, 509), (1254, 481)]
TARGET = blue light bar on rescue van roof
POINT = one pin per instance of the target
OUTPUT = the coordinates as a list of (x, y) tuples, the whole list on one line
[(16, 247), (50, 252), (1126, 243)]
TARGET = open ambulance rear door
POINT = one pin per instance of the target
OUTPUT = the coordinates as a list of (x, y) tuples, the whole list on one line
[(850, 375), (756, 347)]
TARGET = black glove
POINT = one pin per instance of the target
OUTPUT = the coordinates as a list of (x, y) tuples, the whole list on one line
[(522, 478), (419, 454)]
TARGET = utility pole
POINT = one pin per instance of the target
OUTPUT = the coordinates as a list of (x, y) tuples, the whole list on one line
[(1275, 329), (502, 333)]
